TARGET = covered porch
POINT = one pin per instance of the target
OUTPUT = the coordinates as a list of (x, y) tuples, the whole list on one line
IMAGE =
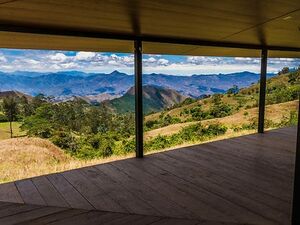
[(243, 180)]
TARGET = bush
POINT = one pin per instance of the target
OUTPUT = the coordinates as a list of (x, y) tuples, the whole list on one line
[(294, 77), (64, 140), (159, 142), (291, 120), (3, 118), (220, 110), (128, 145), (192, 133), (150, 124), (87, 147)]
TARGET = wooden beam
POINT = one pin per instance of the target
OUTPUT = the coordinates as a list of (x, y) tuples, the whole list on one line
[(296, 197), (63, 31), (262, 91), (138, 98)]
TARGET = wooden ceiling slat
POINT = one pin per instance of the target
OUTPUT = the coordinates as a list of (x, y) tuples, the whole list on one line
[(242, 22)]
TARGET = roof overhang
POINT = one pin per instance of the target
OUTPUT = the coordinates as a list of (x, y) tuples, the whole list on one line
[(215, 27)]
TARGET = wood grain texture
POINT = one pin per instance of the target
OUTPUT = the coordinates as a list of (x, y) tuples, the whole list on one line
[(243, 180), (235, 21)]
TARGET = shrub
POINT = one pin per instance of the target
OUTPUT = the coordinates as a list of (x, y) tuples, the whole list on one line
[(192, 133), (64, 140), (151, 123), (128, 145), (291, 120), (220, 110), (3, 118)]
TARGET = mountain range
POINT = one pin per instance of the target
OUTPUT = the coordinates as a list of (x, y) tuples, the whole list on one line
[(66, 84)]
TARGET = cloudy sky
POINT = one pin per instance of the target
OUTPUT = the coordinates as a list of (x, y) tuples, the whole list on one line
[(49, 61)]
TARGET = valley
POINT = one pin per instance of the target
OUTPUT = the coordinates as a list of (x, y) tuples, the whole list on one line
[(73, 131)]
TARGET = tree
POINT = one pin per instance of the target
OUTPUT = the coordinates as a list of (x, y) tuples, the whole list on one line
[(10, 108), (284, 70), (234, 90), (217, 99), (26, 108)]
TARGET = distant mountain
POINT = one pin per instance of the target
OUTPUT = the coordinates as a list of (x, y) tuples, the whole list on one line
[(75, 83), (91, 99), (155, 99), (5, 94)]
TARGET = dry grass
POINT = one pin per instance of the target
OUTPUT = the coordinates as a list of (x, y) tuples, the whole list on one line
[(206, 105), (5, 131), (29, 157), (273, 112)]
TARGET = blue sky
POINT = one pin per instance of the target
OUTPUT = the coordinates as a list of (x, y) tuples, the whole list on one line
[(50, 61)]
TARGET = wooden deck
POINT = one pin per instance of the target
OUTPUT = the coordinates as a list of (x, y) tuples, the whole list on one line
[(244, 180)]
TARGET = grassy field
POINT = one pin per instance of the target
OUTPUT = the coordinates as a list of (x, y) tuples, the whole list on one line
[(5, 131), (273, 112), (29, 157)]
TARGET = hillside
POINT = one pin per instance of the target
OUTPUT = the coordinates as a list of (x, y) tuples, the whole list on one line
[(155, 99), (19, 154), (15, 94), (273, 112), (22, 158), (279, 89), (236, 111), (66, 84)]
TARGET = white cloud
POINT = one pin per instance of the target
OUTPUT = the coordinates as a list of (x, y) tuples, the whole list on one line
[(84, 56), (163, 62), (189, 69), (150, 60), (70, 65), (243, 58), (58, 57), (3, 59), (33, 60)]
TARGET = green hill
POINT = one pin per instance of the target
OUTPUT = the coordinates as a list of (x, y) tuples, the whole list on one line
[(280, 88), (155, 99)]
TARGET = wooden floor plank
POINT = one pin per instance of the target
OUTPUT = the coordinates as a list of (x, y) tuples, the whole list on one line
[(168, 221), (29, 215), (29, 192), (168, 190), (126, 199), (230, 181), (70, 194), (9, 192), (48, 192), (54, 217), (160, 204), (14, 209), (90, 218), (126, 220), (146, 220), (248, 171), (188, 172), (231, 212), (215, 163), (94, 194)]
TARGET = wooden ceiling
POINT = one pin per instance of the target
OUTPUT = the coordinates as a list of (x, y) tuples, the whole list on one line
[(274, 23)]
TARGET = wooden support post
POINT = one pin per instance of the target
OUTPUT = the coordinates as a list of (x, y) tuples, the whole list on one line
[(262, 92), (138, 98), (296, 197)]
